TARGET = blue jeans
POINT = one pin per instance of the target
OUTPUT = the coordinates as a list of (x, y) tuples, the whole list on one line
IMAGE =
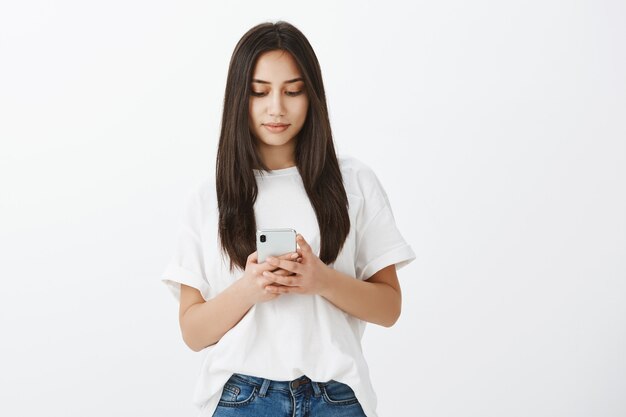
[(246, 395)]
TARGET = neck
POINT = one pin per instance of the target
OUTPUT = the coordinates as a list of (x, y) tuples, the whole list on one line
[(278, 157)]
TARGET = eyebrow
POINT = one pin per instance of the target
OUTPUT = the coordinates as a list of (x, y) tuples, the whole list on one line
[(254, 80)]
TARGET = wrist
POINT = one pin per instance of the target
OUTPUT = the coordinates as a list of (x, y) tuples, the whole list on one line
[(325, 282), (242, 291)]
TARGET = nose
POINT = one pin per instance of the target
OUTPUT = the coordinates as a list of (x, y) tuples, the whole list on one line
[(276, 104)]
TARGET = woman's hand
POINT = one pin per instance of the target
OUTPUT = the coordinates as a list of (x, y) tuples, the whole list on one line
[(253, 283), (309, 273)]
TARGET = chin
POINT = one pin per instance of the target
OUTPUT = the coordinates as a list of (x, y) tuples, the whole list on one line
[(275, 141)]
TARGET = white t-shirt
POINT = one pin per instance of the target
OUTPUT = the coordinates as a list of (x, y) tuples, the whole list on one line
[(293, 334)]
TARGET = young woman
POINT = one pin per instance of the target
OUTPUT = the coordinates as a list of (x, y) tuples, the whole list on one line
[(283, 337)]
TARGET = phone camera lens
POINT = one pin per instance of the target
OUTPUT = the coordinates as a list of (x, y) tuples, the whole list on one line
[(262, 238)]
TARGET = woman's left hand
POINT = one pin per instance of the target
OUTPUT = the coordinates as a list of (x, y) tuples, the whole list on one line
[(309, 273)]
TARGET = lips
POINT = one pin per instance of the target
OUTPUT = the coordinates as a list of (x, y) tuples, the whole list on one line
[(276, 124), (276, 127)]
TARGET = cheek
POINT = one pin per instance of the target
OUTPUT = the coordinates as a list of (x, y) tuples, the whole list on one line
[(300, 109), (253, 113), (251, 109)]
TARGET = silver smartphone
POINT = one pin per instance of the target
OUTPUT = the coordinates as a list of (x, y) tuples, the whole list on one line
[(274, 242)]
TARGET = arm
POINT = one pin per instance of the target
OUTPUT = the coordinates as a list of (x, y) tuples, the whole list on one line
[(203, 323), (377, 300)]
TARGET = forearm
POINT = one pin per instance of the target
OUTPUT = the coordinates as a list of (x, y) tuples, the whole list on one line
[(370, 301), (204, 324)]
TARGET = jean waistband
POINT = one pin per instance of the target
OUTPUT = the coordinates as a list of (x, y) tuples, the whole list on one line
[(298, 384)]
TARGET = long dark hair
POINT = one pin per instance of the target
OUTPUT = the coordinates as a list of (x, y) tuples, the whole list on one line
[(237, 154)]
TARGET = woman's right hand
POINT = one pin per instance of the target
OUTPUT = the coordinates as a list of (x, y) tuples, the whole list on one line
[(253, 282)]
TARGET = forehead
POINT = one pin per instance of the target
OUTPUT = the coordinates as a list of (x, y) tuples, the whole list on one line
[(276, 67)]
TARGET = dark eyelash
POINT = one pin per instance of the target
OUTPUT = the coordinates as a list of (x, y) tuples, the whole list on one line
[(289, 93)]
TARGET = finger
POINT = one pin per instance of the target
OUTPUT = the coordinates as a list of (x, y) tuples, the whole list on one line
[(275, 279), (277, 289), (292, 256), (281, 272), (282, 289), (279, 279), (304, 246), (253, 257), (283, 264), (267, 266), (269, 281)]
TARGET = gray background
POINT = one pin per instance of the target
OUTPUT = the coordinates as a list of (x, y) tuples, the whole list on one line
[(497, 128)]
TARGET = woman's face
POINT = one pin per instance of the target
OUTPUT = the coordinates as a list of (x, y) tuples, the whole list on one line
[(278, 102)]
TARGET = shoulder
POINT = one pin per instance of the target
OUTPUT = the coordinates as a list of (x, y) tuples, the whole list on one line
[(349, 163), (358, 176), (202, 194), (206, 188)]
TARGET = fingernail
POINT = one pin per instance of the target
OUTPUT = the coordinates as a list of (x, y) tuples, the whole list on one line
[(294, 255)]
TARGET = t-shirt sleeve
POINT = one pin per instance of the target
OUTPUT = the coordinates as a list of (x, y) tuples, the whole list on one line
[(186, 266), (379, 243)]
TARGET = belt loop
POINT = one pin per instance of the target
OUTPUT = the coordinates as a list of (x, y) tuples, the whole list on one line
[(316, 388), (264, 387)]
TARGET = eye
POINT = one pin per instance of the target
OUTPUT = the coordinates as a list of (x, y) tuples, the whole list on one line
[(293, 93), (257, 94)]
